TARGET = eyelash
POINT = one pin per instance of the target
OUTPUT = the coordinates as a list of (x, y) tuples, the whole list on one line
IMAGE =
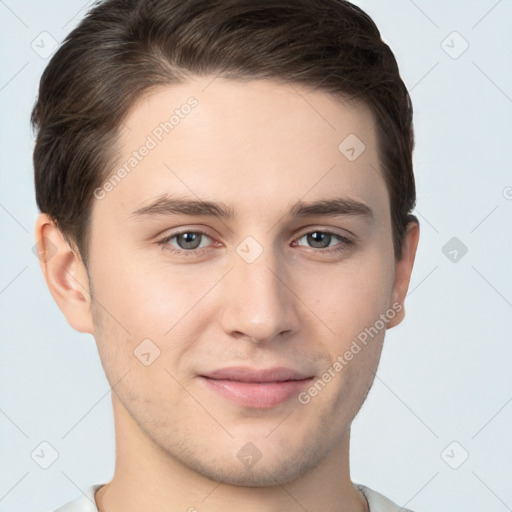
[(344, 242)]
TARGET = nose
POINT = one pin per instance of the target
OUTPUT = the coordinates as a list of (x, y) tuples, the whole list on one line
[(258, 302)]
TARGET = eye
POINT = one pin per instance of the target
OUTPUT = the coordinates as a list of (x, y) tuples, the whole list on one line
[(186, 241), (324, 240)]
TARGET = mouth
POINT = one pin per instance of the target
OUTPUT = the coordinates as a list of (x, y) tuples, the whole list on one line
[(256, 388)]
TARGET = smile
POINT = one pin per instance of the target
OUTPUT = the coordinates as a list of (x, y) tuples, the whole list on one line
[(260, 389)]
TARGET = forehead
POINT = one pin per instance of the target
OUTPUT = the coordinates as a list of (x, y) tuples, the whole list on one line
[(247, 143)]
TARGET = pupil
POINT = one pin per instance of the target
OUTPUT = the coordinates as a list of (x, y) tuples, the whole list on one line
[(188, 240), (319, 240)]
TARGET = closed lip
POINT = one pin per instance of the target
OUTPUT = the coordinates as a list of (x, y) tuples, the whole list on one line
[(257, 388), (255, 375)]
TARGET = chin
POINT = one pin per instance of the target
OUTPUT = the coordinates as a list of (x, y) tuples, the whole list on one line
[(273, 467), (262, 476)]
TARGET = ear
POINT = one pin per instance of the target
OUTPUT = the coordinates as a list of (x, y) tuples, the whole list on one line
[(65, 274), (403, 269)]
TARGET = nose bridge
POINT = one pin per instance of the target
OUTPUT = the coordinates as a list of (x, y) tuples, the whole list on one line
[(256, 302)]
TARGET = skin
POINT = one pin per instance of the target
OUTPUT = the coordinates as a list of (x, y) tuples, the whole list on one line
[(257, 147)]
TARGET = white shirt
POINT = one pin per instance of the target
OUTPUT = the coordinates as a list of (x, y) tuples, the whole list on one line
[(376, 501)]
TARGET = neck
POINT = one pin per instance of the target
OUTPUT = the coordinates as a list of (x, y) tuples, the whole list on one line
[(146, 478)]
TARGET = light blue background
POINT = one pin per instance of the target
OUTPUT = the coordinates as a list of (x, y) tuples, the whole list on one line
[(445, 372)]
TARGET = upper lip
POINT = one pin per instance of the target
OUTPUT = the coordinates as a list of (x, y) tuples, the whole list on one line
[(246, 374)]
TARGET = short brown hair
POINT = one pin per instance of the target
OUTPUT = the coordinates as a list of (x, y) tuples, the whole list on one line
[(124, 47)]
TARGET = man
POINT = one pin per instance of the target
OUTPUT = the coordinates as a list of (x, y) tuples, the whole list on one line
[(225, 191)]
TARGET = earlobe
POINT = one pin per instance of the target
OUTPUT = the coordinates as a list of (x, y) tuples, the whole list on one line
[(65, 274), (403, 270)]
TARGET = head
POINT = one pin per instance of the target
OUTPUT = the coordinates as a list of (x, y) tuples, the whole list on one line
[(229, 184)]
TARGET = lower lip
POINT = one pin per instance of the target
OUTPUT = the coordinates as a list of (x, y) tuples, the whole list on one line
[(258, 395)]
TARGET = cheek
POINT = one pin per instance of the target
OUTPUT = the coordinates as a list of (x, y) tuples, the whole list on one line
[(148, 297), (350, 296), (151, 300)]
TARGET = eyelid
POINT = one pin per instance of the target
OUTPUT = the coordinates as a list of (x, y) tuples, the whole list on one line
[(164, 242), (182, 231), (333, 230), (343, 243), (347, 237), (171, 233)]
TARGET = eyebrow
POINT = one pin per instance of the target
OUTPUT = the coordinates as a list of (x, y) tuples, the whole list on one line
[(167, 205)]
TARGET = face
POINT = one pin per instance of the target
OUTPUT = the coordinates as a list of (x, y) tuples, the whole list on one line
[(243, 275)]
